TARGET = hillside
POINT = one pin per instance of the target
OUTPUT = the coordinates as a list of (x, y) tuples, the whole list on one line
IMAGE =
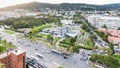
[(67, 6)]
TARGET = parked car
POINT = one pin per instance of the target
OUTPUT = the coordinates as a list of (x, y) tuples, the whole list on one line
[(55, 51), (39, 55), (33, 62)]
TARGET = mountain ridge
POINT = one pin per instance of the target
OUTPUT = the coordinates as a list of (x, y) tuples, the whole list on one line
[(67, 6)]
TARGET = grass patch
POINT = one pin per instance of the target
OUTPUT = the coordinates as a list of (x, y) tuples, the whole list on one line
[(89, 45), (35, 30), (116, 57), (9, 31), (63, 45), (56, 40), (5, 45)]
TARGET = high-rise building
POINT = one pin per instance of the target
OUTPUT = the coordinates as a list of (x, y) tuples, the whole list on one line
[(13, 59)]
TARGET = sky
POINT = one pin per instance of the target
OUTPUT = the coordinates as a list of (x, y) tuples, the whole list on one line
[(5, 3)]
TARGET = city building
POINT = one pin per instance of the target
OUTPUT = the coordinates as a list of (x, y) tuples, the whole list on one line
[(10, 14), (32, 13), (117, 49), (114, 35), (67, 22), (99, 21), (13, 59), (60, 32)]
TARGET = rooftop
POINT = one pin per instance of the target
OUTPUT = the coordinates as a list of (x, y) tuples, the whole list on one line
[(72, 34), (17, 51), (112, 32)]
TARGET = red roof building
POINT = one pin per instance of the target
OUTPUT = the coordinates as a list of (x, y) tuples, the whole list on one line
[(114, 35)]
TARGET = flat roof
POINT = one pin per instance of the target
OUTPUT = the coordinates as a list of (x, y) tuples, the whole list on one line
[(72, 34), (17, 51)]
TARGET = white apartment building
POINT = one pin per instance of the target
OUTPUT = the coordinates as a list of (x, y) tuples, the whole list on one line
[(99, 20), (32, 13), (67, 22), (4, 15)]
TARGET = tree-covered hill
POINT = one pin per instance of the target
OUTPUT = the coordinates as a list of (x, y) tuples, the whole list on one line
[(67, 6)]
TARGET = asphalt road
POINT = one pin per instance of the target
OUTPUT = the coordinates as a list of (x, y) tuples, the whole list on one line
[(102, 43), (51, 60)]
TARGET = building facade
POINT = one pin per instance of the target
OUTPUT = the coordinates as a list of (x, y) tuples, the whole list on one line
[(99, 21), (13, 59)]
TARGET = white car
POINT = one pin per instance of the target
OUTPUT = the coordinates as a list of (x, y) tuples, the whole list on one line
[(39, 55)]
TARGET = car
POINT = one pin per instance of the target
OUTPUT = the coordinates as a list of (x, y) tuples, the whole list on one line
[(65, 57), (42, 51), (39, 55), (28, 45), (47, 51), (32, 62), (36, 49), (27, 60), (36, 65), (55, 51)]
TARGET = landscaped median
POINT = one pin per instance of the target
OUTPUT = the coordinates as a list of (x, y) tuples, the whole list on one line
[(69, 44), (38, 29), (89, 45), (55, 40)]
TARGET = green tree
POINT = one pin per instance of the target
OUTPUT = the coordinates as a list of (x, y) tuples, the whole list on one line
[(95, 48), (103, 48), (67, 40), (2, 48), (104, 26), (93, 58), (112, 47), (93, 36), (118, 28), (10, 43), (71, 49), (49, 37), (60, 67), (72, 41), (109, 51)]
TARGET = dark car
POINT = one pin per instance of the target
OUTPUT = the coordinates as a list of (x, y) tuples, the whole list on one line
[(28, 60), (65, 57), (36, 65)]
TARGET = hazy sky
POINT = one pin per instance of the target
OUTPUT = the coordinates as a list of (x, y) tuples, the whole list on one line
[(4, 3)]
